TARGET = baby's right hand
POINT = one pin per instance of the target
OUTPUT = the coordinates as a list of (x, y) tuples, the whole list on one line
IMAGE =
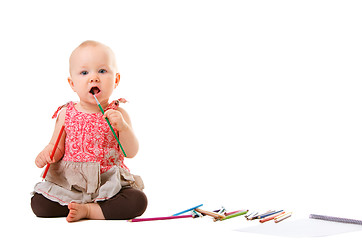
[(43, 157)]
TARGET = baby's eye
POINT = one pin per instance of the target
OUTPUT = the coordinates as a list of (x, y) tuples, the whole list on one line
[(102, 71), (83, 72)]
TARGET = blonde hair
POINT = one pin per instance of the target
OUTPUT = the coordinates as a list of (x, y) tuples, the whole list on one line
[(94, 44), (90, 43)]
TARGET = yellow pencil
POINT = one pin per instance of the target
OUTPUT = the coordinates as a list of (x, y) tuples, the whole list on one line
[(282, 217)]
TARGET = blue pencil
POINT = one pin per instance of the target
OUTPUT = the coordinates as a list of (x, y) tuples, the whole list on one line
[(269, 214), (188, 210)]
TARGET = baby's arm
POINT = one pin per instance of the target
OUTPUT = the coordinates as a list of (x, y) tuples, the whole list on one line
[(43, 157), (121, 121)]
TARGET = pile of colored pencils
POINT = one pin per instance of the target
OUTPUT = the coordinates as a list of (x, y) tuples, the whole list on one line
[(277, 216), (221, 215)]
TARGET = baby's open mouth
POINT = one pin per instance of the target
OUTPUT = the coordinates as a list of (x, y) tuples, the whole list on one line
[(95, 90)]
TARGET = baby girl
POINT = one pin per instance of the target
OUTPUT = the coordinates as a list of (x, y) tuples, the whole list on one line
[(87, 178)]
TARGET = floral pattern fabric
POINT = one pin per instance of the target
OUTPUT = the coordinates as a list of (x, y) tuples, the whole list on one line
[(89, 138)]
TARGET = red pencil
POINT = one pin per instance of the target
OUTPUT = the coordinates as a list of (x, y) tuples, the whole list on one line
[(159, 218), (53, 152), (168, 218)]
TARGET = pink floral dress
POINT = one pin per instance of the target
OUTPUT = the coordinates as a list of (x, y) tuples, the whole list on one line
[(92, 168)]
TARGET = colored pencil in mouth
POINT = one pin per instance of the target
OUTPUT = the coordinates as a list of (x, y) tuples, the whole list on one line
[(109, 124)]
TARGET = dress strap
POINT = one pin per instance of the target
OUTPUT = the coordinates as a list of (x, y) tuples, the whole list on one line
[(115, 104), (58, 110)]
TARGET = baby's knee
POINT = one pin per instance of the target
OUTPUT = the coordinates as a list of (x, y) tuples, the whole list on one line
[(143, 202), (127, 204), (43, 207), (139, 200), (36, 205)]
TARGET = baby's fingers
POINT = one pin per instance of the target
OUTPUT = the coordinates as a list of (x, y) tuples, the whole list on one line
[(41, 161), (47, 158), (108, 113)]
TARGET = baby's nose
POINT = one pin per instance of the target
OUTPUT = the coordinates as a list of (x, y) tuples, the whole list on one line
[(94, 80), (93, 77)]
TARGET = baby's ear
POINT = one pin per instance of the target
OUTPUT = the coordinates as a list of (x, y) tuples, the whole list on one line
[(117, 79), (71, 83)]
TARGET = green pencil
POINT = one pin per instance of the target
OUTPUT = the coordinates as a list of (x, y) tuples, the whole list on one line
[(109, 124), (235, 215)]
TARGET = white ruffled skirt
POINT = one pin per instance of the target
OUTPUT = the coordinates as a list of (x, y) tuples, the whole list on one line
[(81, 182)]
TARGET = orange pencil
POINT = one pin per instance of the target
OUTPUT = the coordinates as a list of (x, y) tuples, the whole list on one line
[(271, 217), (53, 152)]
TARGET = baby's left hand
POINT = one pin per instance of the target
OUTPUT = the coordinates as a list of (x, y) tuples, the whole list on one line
[(116, 119)]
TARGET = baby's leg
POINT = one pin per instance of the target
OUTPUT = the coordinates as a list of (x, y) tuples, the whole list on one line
[(43, 207), (127, 204), (80, 211)]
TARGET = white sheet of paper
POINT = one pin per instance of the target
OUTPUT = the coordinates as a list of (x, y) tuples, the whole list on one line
[(302, 228)]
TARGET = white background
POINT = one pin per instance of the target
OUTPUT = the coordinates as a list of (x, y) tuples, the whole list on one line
[(245, 104)]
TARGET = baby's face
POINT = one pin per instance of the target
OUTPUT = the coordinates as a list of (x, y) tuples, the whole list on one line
[(93, 67)]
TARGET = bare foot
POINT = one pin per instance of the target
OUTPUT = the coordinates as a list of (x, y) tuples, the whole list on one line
[(80, 211), (77, 211)]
